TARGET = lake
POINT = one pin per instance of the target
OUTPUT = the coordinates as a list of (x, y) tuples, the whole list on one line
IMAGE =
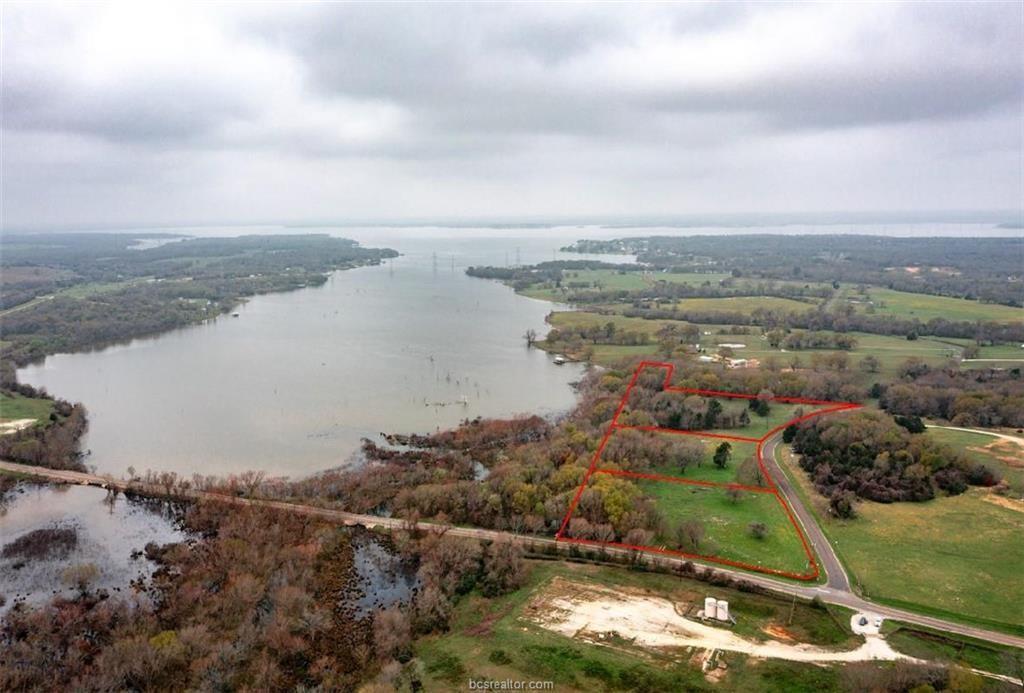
[(293, 383)]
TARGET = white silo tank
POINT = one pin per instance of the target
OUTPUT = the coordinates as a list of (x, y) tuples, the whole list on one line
[(723, 610), (710, 607)]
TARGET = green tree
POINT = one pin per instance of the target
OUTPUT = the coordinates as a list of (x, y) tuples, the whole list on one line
[(712, 412), (723, 453)]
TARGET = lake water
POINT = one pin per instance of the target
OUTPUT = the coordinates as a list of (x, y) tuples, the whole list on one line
[(292, 384), (109, 535)]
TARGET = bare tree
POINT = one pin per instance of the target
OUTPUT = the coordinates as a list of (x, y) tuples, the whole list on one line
[(392, 633), (167, 480), (604, 533), (690, 534), (251, 480), (504, 568)]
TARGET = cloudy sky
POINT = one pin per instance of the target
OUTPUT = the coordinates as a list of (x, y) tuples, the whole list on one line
[(154, 114)]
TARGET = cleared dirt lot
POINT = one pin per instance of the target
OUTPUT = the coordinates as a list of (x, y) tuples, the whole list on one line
[(625, 617)]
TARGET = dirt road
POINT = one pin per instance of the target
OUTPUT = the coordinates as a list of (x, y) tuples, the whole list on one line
[(1002, 436), (827, 593)]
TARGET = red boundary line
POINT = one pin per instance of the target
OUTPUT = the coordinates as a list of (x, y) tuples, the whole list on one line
[(814, 571), (681, 480), (676, 431)]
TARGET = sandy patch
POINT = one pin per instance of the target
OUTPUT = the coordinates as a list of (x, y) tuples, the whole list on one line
[(14, 425), (1004, 502), (598, 614), (1005, 450)]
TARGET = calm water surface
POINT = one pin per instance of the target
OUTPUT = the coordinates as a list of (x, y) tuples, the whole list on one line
[(292, 384), (109, 534)]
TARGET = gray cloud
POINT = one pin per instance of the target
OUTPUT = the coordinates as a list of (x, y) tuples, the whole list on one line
[(156, 113)]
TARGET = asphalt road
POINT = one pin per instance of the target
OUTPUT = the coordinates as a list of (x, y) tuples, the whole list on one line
[(837, 578), (828, 593)]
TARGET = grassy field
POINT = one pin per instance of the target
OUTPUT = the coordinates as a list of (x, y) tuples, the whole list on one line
[(495, 639), (574, 318), (745, 304), (891, 352), (583, 281), (690, 277), (778, 414), (924, 307), (925, 643), (1002, 351), (707, 471), (997, 454), (958, 557), (727, 522), (14, 406), (83, 290)]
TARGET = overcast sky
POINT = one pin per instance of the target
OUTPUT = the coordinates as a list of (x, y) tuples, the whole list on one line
[(148, 114)]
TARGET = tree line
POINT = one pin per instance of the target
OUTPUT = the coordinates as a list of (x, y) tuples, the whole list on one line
[(964, 398), (972, 268), (866, 454)]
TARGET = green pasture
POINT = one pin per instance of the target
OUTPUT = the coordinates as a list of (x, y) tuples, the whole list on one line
[(925, 307), (956, 557), (706, 470), (727, 524), (891, 351), (15, 406), (745, 304), (585, 281)]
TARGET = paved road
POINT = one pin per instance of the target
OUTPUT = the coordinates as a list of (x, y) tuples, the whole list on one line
[(827, 593), (837, 578)]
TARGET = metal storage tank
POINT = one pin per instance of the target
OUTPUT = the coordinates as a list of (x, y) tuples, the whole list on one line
[(710, 607), (723, 610)]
